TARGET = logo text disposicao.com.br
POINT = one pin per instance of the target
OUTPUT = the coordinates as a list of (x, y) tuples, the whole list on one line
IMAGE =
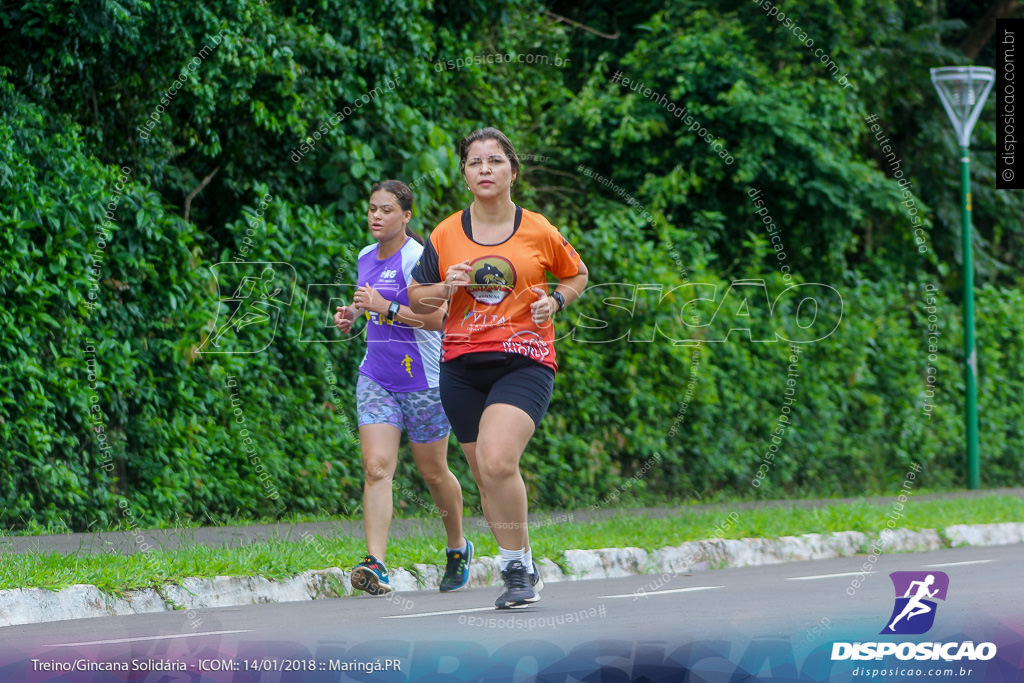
[(913, 613), (947, 652)]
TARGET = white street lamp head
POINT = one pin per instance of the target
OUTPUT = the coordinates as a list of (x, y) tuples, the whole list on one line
[(963, 90)]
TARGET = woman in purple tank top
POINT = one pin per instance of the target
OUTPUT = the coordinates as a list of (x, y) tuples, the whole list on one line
[(398, 389)]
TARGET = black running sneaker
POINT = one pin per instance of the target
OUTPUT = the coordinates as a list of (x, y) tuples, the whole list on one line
[(518, 589), (371, 576), (456, 572), (536, 582)]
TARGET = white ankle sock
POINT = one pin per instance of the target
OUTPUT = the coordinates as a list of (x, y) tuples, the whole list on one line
[(528, 559), (509, 556)]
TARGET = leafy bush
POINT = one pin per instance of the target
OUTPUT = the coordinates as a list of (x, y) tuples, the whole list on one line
[(122, 253)]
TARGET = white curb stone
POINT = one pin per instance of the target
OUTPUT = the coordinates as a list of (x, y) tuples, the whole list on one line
[(35, 605), (606, 563), (905, 540), (551, 572), (682, 558), (143, 601), (985, 534)]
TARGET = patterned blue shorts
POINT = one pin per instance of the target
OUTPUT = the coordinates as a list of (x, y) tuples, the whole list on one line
[(418, 412)]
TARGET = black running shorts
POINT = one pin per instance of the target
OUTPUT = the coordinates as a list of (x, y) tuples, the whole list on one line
[(473, 381)]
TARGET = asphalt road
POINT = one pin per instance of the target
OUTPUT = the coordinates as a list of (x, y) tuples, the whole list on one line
[(769, 623)]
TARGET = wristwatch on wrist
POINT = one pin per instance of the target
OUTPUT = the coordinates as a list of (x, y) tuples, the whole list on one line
[(557, 296), (392, 312)]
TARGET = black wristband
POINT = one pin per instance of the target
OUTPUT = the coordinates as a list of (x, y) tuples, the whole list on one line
[(557, 296), (392, 312)]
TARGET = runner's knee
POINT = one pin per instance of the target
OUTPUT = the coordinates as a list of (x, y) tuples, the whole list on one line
[(495, 466), (434, 475), (377, 469)]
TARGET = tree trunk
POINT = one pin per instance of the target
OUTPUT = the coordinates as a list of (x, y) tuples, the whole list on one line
[(983, 30)]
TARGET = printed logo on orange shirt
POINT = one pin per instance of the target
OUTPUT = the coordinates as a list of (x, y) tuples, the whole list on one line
[(493, 278), (527, 343)]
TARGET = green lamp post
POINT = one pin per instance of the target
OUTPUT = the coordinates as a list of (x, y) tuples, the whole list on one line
[(963, 90)]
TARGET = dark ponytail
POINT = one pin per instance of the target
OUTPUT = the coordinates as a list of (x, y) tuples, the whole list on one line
[(403, 193)]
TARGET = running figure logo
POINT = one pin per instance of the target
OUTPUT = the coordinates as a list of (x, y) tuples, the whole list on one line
[(914, 612), (407, 364), (253, 307)]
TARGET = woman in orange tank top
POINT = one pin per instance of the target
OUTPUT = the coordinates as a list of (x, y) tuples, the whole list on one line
[(490, 263)]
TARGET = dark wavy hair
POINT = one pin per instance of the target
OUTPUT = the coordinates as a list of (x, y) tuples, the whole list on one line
[(403, 193)]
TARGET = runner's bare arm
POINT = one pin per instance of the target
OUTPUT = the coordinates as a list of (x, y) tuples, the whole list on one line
[(427, 298), (572, 287), (368, 298)]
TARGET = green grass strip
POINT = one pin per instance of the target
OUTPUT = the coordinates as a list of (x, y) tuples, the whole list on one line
[(563, 531)]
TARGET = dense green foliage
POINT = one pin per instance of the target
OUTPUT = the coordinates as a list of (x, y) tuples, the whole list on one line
[(142, 144)]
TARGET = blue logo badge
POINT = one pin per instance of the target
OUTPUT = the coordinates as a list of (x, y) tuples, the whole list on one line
[(916, 592)]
